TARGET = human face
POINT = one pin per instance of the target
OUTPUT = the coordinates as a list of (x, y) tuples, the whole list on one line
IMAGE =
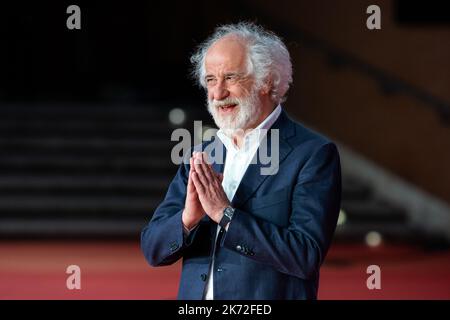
[(232, 98), (247, 110)]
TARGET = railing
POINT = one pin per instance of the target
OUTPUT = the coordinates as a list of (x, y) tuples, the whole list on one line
[(388, 83)]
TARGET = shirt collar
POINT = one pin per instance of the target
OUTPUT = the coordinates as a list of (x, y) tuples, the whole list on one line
[(257, 133)]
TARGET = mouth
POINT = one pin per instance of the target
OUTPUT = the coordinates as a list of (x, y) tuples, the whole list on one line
[(227, 108)]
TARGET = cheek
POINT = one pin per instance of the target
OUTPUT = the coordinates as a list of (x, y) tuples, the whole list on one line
[(241, 90), (209, 95), (237, 92)]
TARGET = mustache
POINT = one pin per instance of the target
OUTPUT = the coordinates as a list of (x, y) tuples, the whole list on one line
[(225, 102)]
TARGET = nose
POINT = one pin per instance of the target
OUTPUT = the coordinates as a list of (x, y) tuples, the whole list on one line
[(220, 91)]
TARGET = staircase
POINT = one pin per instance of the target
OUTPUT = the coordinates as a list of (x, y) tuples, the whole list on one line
[(363, 212), (101, 170), (83, 170)]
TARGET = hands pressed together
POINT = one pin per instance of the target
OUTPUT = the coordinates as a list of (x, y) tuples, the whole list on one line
[(205, 194)]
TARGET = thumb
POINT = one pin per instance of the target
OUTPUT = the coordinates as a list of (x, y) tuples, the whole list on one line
[(190, 185)]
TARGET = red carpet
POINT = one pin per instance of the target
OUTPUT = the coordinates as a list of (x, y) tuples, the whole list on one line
[(117, 270)]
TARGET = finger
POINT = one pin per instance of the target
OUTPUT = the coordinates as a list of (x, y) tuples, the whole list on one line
[(207, 165), (190, 186), (219, 176), (191, 164), (198, 165), (197, 161), (215, 177), (192, 159), (197, 183), (209, 172), (205, 157), (200, 170)]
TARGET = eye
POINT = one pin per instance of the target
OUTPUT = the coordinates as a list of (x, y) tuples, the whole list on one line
[(210, 81), (231, 78)]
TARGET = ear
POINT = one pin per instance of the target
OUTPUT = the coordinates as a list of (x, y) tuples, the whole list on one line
[(267, 87)]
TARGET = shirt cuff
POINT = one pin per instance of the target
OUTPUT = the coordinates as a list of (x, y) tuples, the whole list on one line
[(187, 231)]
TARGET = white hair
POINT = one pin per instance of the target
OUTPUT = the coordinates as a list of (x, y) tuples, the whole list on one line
[(268, 59), (248, 111)]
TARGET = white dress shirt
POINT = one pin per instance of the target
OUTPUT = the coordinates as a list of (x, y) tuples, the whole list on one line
[(236, 164)]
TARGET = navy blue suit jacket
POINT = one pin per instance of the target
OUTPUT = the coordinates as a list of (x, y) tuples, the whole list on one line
[(280, 233)]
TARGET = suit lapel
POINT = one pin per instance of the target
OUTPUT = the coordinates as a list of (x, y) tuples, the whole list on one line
[(253, 178), (218, 154)]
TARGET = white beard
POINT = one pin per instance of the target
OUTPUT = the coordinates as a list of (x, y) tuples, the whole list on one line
[(247, 112)]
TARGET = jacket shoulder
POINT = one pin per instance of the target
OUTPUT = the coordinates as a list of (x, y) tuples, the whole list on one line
[(307, 138)]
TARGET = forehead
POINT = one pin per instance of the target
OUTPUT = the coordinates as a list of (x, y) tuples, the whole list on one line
[(225, 55)]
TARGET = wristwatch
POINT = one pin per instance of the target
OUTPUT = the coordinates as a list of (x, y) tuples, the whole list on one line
[(227, 216)]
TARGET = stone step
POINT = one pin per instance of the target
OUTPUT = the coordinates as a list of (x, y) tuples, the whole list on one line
[(355, 189), (155, 162), (58, 185), (72, 227), (387, 231), (66, 129), (97, 112), (361, 211), (19, 207), (76, 146)]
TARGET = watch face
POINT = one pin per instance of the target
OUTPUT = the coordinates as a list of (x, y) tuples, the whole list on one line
[(227, 215), (229, 212)]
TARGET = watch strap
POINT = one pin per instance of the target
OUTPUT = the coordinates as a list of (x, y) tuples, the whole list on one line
[(227, 216)]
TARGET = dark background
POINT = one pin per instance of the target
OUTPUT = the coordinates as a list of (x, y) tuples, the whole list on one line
[(137, 50), (85, 134)]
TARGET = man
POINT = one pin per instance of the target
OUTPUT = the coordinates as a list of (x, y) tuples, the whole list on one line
[(243, 234)]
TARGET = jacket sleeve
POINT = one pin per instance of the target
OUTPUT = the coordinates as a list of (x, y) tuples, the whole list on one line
[(300, 248), (163, 240)]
